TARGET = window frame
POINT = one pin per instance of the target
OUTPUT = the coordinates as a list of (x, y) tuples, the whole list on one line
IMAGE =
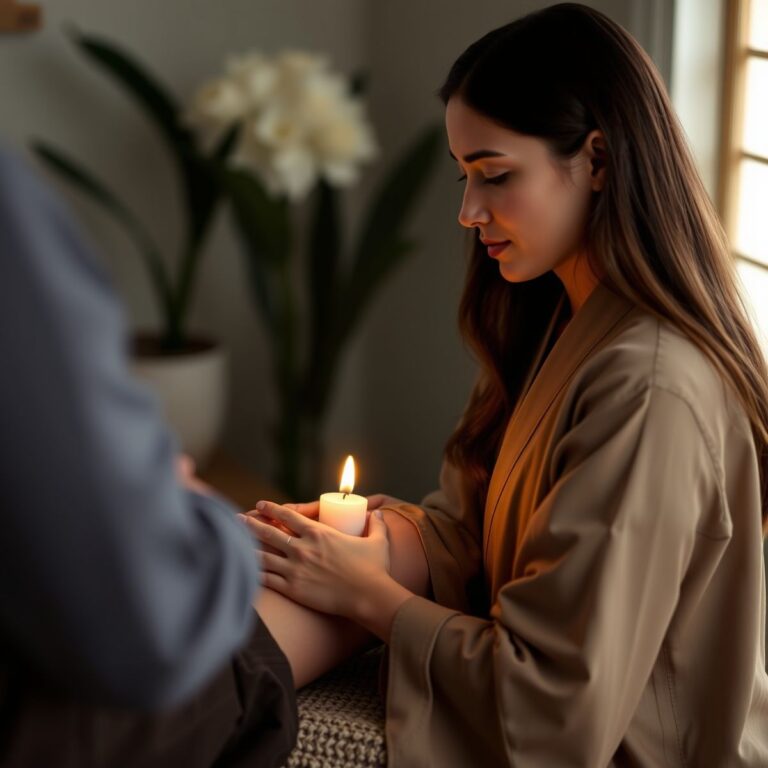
[(737, 53)]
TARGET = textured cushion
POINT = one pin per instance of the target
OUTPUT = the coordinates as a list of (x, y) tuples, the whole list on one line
[(341, 718)]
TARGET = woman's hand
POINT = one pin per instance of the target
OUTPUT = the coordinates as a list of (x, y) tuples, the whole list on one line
[(316, 565), (311, 509), (185, 473)]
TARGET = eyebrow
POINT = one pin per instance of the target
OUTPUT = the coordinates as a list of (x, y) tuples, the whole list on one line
[(479, 155)]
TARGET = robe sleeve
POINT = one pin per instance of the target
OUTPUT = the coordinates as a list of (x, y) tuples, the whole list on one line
[(554, 675), (450, 529)]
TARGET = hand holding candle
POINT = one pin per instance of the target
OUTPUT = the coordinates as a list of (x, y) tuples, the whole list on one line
[(326, 564), (345, 511)]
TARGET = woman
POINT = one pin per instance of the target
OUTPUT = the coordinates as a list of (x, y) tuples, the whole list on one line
[(595, 577)]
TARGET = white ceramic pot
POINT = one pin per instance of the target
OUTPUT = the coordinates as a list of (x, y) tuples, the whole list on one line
[(192, 388)]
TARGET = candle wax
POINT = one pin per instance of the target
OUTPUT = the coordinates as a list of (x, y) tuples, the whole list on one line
[(346, 512)]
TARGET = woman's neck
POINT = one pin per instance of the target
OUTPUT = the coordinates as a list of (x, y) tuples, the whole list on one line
[(578, 279)]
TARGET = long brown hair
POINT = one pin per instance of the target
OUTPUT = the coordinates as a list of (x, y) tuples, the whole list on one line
[(653, 234)]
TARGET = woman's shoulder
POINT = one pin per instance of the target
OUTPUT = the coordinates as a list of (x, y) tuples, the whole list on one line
[(647, 353)]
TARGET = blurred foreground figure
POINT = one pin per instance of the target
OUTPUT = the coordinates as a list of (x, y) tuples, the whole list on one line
[(127, 633)]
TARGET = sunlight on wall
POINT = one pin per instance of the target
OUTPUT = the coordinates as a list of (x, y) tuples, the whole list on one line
[(756, 115), (755, 284), (751, 237), (752, 223)]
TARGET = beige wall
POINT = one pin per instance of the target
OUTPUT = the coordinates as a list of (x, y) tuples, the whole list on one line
[(407, 376)]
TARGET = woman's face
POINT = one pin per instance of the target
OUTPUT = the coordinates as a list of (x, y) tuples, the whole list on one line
[(533, 205)]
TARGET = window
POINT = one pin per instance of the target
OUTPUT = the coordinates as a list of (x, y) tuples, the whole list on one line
[(743, 193)]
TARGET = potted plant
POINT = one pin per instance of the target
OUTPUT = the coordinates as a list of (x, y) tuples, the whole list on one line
[(187, 372), (270, 136), (301, 134)]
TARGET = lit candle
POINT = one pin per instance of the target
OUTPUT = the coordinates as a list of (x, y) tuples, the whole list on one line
[(345, 511)]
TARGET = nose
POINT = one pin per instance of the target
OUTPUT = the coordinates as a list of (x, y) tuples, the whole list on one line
[(473, 212)]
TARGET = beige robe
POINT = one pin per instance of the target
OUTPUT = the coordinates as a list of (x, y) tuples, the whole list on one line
[(620, 550)]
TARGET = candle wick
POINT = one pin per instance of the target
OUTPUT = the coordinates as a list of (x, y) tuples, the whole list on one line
[(344, 496)]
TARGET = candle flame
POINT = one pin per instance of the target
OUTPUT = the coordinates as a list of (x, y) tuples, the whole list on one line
[(348, 476)]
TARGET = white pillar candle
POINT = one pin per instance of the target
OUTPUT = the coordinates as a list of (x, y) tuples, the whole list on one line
[(345, 511)]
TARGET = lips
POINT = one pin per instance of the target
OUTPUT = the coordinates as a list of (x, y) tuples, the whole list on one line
[(495, 248)]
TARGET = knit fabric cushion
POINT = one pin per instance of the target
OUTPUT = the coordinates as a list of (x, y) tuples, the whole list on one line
[(341, 718)]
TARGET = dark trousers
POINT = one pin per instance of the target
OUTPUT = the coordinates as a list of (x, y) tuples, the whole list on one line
[(245, 717)]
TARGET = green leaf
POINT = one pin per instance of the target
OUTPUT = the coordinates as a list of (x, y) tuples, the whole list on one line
[(359, 83), (264, 227), (323, 264), (225, 146), (162, 110), (382, 245), (351, 306), (381, 249), (147, 91), (87, 183), (263, 220)]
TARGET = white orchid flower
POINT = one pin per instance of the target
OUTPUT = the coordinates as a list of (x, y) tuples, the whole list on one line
[(255, 76), (298, 120), (279, 128), (217, 106), (296, 169), (343, 138), (322, 98)]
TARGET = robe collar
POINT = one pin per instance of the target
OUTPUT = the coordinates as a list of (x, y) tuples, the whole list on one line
[(592, 323)]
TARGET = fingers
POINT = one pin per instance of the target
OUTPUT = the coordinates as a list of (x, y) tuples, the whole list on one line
[(274, 581), (185, 465), (267, 548), (293, 520), (269, 534), (309, 509), (275, 564), (269, 521), (377, 528)]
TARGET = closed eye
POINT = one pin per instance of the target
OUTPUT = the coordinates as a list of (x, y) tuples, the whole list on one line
[(500, 179)]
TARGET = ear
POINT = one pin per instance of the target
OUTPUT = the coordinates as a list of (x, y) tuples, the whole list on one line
[(594, 146)]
